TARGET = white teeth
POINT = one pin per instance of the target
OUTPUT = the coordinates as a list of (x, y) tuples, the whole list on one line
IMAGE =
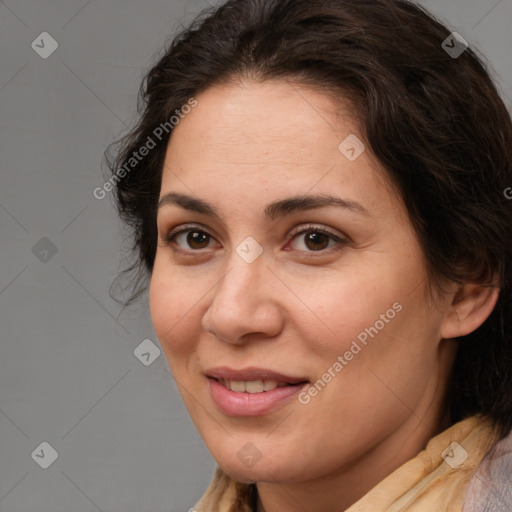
[(237, 385), (254, 386), (269, 385), (251, 386)]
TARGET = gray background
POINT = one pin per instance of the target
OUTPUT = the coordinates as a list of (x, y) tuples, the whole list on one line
[(68, 373)]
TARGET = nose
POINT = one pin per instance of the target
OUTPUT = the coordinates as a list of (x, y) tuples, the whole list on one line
[(245, 304)]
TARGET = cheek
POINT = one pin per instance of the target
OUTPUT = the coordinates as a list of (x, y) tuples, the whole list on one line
[(173, 314), (376, 321), (387, 349), (349, 307)]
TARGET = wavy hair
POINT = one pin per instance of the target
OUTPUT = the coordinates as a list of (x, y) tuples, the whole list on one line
[(436, 123)]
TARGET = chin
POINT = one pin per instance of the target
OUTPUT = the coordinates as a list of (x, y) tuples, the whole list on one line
[(262, 471), (245, 477)]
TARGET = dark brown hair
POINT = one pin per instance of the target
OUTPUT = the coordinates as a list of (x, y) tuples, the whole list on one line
[(436, 123)]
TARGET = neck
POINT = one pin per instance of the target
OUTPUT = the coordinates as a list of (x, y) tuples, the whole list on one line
[(338, 491)]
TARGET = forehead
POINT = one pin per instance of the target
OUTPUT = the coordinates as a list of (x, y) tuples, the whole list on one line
[(266, 139), (277, 117)]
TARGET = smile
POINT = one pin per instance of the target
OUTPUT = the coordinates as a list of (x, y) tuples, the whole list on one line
[(251, 392), (252, 386)]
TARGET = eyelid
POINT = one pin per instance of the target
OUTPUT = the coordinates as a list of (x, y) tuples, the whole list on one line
[(341, 239), (320, 229), (185, 227), (170, 236)]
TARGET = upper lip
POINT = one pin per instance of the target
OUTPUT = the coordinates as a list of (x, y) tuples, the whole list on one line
[(251, 373)]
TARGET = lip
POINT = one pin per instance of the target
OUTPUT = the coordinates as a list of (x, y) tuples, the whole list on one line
[(234, 403), (251, 373)]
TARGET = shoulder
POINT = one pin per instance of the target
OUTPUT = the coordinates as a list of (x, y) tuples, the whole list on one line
[(490, 488)]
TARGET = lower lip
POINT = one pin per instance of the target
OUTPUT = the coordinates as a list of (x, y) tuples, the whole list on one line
[(234, 403)]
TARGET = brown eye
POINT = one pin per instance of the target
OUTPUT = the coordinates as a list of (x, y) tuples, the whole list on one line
[(189, 238), (196, 239), (315, 239)]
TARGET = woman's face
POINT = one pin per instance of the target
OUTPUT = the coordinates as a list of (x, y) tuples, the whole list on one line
[(272, 285)]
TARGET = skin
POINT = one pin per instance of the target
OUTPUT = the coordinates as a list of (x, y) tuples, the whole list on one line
[(296, 309)]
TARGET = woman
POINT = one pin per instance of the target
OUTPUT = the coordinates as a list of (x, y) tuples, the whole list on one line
[(316, 191)]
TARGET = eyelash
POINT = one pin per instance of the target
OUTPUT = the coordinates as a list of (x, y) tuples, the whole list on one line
[(341, 242)]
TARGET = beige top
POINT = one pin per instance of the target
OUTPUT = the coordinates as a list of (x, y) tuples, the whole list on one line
[(434, 481)]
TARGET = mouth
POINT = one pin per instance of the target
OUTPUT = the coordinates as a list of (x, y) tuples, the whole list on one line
[(252, 380), (252, 391), (254, 386)]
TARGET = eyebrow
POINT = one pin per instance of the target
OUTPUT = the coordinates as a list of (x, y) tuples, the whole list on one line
[(279, 208)]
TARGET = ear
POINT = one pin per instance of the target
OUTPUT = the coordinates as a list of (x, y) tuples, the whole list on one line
[(471, 306)]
